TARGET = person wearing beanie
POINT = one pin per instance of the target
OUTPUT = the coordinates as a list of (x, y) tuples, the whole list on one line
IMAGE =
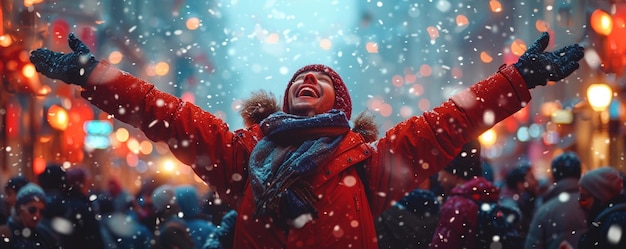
[(13, 185), (602, 199), (410, 222), (311, 167), (559, 218), (199, 224), (23, 230), (172, 232), (520, 191), (464, 187)]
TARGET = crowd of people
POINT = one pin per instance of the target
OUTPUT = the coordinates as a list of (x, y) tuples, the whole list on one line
[(60, 209), (305, 175)]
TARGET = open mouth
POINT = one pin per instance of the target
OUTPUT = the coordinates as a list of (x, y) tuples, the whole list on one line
[(307, 92)]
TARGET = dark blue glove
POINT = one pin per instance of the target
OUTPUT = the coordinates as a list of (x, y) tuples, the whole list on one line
[(537, 66), (73, 68)]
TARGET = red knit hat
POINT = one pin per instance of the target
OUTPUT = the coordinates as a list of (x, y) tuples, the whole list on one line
[(342, 96)]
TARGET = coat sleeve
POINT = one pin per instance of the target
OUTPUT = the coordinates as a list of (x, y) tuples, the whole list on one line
[(196, 137), (419, 147)]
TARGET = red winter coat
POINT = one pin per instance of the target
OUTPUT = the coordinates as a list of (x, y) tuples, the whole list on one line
[(395, 164)]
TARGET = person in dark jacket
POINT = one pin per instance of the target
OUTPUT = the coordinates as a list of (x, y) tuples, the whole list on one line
[(223, 235), (56, 216), (172, 232), (559, 218), (13, 185), (85, 228), (23, 230), (120, 229), (604, 204), (199, 224), (410, 223), (520, 191), (304, 170)]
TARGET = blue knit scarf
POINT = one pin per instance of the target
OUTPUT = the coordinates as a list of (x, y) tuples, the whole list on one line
[(292, 148)]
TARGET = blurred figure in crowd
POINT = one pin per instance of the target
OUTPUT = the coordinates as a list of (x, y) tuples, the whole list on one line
[(85, 227), (119, 229), (56, 216), (13, 185), (464, 188), (171, 231), (22, 231), (224, 234), (199, 224), (560, 218), (410, 222), (143, 198), (520, 191), (122, 200), (214, 207), (602, 199)]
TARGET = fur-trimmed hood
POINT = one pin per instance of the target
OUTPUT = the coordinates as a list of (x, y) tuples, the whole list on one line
[(261, 104)]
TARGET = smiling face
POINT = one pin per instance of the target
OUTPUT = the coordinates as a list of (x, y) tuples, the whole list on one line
[(311, 93)]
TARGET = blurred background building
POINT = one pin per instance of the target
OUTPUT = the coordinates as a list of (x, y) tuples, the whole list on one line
[(398, 58)]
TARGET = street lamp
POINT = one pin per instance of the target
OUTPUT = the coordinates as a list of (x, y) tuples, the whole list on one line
[(599, 96)]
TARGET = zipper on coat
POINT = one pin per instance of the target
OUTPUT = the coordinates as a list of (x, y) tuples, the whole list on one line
[(357, 202)]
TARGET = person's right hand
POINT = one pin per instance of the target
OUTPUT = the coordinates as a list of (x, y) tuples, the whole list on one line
[(73, 68)]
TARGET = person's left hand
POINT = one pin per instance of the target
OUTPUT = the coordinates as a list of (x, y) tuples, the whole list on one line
[(73, 68), (537, 66)]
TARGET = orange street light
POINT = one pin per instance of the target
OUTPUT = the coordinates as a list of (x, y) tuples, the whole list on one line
[(599, 96)]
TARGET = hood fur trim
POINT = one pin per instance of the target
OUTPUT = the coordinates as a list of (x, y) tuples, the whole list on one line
[(261, 104), (364, 124), (257, 107)]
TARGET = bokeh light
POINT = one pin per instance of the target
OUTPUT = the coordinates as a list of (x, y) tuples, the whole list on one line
[(518, 47), (115, 57), (57, 117), (488, 138), (397, 81), (272, 38), (485, 57), (161, 68), (542, 26), (461, 20), (193, 23), (122, 135), (495, 6), (326, 44), (5, 41), (433, 33), (29, 70), (601, 22), (371, 47)]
